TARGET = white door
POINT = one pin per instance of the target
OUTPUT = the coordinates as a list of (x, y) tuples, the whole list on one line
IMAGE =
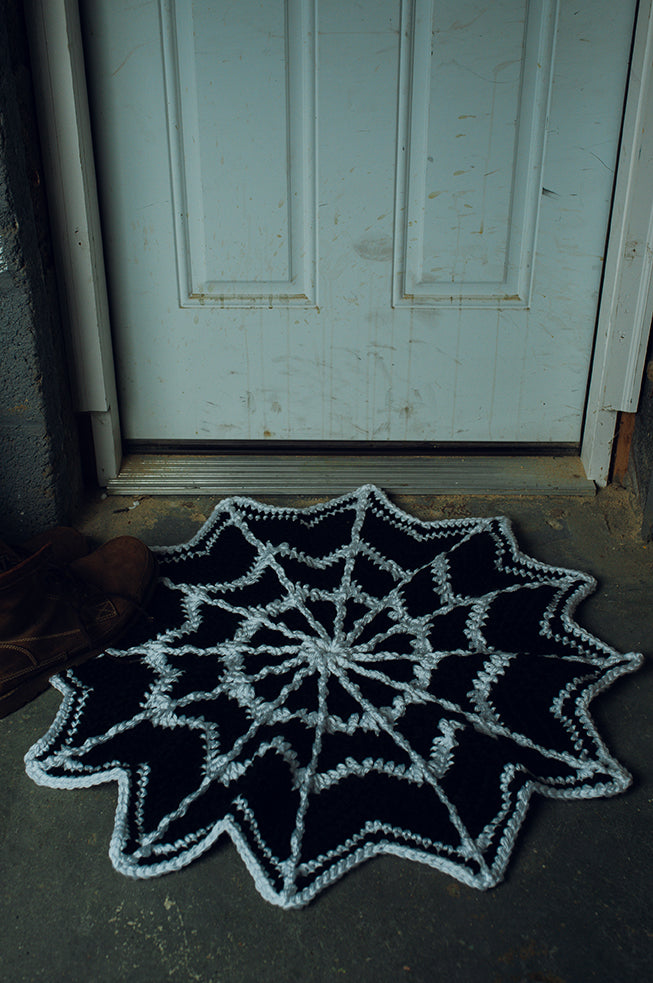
[(343, 221)]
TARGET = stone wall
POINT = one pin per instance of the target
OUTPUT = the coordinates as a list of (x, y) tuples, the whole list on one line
[(40, 475)]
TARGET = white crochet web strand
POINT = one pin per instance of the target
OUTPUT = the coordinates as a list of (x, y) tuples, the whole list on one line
[(340, 652)]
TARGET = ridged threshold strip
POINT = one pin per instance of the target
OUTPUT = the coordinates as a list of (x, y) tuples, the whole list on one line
[(177, 474)]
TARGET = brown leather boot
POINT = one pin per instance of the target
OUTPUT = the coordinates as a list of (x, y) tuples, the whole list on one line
[(66, 543), (52, 617)]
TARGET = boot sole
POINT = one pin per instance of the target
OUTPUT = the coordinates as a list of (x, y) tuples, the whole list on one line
[(35, 685)]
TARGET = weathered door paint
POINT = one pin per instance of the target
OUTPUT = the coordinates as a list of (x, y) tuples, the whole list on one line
[(355, 221)]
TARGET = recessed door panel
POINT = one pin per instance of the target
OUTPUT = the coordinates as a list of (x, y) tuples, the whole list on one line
[(374, 221)]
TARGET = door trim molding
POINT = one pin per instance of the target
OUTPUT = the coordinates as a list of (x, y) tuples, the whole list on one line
[(625, 307), (626, 301), (55, 41)]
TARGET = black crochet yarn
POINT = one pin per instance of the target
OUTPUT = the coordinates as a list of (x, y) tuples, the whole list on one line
[(328, 684)]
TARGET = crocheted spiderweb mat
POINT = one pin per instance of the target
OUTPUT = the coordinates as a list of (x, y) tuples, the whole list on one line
[(331, 683)]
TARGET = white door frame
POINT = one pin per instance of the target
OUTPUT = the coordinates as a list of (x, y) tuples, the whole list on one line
[(625, 306), (55, 42), (626, 302)]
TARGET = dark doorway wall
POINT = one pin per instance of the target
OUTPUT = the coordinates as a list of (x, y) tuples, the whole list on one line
[(40, 475), (641, 454)]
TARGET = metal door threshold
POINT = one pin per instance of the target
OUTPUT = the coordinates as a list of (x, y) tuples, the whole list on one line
[(315, 475)]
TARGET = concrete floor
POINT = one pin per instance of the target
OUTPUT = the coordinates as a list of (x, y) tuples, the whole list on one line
[(575, 905)]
